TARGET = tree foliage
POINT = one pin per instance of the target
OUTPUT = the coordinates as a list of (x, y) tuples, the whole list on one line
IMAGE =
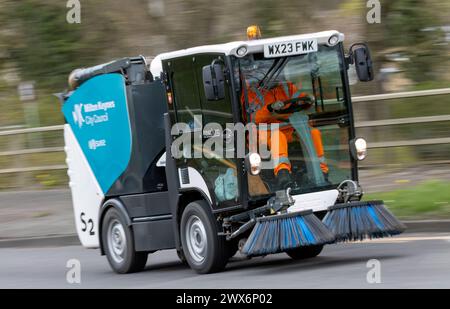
[(415, 25), (43, 46)]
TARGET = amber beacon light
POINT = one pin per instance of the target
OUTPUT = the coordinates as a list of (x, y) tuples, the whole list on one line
[(253, 32)]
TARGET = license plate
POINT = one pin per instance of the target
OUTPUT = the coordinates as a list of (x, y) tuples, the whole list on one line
[(290, 48)]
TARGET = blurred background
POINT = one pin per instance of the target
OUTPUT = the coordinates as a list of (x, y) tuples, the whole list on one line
[(409, 159)]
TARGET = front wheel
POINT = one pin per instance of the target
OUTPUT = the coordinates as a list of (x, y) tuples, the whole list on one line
[(205, 251), (182, 257), (305, 252), (119, 245)]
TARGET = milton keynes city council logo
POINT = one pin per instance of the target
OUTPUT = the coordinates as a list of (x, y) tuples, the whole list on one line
[(78, 114)]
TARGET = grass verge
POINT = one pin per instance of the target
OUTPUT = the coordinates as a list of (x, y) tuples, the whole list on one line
[(429, 200)]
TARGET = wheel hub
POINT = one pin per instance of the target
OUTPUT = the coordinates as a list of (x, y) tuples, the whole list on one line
[(117, 242), (196, 239)]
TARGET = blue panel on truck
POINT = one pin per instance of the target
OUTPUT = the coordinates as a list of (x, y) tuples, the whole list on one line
[(98, 115)]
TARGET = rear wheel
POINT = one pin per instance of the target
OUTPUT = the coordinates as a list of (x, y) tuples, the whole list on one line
[(205, 251), (305, 252), (119, 244)]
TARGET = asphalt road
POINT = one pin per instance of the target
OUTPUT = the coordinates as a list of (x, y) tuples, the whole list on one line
[(411, 261)]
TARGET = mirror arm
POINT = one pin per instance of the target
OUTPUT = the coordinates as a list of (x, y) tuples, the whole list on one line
[(217, 61), (349, 60)]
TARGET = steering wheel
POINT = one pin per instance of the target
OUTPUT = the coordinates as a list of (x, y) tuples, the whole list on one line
[(290, 106)]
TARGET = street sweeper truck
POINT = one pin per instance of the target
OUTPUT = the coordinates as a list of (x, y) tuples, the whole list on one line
[(246, 146)]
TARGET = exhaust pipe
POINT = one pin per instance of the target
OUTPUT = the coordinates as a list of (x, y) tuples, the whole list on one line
[(79, 76)]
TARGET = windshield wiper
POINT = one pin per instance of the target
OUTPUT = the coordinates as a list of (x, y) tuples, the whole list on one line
[(278, 71), (273, 73), (274, 64)]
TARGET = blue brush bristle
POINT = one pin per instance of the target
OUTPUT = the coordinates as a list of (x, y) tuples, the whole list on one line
[(361, 220), (280, 233)]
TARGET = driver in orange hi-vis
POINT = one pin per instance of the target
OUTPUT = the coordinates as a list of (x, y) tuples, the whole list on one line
[(263, 105)]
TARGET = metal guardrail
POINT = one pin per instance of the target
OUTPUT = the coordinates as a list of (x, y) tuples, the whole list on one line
[(33, 169), (362, 124), (403, 121), (4, 128), (401, 95), (32, 130), (31, 151), (415, 142), (398, 121)]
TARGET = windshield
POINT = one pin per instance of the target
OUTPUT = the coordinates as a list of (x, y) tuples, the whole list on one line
[(298, 107)]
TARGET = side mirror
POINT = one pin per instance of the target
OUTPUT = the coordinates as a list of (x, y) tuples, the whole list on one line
[(363, 62), (214, 82)]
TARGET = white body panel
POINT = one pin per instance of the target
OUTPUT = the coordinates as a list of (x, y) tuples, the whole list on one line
[(87, 197), (230, 48), (317, 201), (162, 161), (196, 181)]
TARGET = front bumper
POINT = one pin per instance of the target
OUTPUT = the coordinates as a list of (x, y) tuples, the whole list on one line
[(316, 201)]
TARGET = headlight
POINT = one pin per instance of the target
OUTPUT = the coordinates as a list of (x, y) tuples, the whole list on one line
[(254, 163), (359, 148)]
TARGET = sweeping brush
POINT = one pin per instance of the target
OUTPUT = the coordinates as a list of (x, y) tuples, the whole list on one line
[(279, 233), (360, 220)]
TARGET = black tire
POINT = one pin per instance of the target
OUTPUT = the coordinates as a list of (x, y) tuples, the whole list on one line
[(205, 251), (232, 248), (128, 261), (305, 252), (182, 257)]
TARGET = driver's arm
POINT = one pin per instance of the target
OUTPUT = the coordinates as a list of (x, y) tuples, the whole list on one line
[(294, 92), (263, 115)]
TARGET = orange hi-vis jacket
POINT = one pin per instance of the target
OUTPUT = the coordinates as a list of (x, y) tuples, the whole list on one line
[(257, 112)]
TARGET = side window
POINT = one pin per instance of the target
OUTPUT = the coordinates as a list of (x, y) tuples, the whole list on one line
[(187, 101), (331, 87)]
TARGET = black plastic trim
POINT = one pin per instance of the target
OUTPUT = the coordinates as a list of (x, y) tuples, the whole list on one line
[(117, 204), (172, 181), (153, 218), (348, 100)]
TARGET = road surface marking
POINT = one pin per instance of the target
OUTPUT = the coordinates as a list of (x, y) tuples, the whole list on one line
[(407, 239)]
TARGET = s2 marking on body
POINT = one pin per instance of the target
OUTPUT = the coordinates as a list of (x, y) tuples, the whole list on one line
[(87, 225)]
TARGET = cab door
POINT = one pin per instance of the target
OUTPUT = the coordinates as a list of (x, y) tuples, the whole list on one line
[(213, 169)]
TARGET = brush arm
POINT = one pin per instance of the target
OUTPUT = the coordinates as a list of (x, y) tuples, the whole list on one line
[(349, 191), (242, 229), (282, 200)]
